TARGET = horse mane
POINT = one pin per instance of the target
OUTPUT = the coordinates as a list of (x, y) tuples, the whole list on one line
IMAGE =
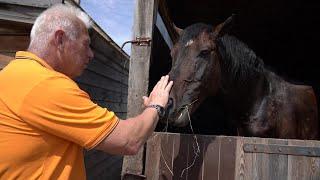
[(239, 62)]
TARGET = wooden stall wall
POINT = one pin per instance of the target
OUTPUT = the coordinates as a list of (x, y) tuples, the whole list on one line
[(105, 79), (175, 156)]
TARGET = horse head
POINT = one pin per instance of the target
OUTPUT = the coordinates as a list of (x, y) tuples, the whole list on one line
[(195, 69)]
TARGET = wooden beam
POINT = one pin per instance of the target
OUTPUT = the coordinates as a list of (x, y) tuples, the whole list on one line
[(77, 1), (25, 14), (5, 59), (144, 20), (163, 30), (33, 3), (167, 20), (11, 43)]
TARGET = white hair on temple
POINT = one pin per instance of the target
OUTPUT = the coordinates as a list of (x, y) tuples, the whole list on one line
[(59, 16)]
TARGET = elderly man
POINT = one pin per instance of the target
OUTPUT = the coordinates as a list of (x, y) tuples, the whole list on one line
[(46, 120)]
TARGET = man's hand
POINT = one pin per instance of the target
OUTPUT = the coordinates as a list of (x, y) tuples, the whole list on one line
[(160, 93)]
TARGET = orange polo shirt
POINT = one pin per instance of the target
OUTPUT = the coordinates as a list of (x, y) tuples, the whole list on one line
[(45, 120)]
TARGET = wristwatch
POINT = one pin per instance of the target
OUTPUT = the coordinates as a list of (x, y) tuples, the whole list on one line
[(160, 109)]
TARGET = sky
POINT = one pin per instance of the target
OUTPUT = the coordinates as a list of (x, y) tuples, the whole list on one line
[(115, 17)]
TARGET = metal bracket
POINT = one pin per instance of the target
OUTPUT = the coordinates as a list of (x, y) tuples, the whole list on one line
[(130, 176), (282, 149), (142, 41), (139, 41)]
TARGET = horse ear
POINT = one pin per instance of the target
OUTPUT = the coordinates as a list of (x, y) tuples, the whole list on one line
[(222, 28), (177, 30)]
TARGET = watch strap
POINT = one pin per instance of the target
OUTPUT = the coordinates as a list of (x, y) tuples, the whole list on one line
[(157, 107)]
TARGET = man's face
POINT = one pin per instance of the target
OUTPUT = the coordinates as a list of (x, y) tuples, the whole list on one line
[(77, 53)]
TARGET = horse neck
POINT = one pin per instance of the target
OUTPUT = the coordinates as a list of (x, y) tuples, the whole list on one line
[(243, 75), (242, 96)]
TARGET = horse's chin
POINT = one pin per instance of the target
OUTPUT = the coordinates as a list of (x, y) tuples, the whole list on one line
[(181, 119)]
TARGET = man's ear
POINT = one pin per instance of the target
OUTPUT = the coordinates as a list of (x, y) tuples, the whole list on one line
[(59, 39), (222, 28)]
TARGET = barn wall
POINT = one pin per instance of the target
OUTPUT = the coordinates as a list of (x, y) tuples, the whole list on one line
[(13, 37), (105, 79)]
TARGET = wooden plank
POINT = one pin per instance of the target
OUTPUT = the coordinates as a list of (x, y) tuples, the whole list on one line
[(153, 156), (14, 28), (302, 167), (77, 1), (25, 14), (167, 20), (278, 163), (197, 149), (12, 43), (92, 85), (91, 78), (170, 152), (4, 60), (110, 51), (163, 30), (107, 71), (113, 106), (240, 168), (181, 157), (106, 95), (33, 3), (227, 158), (262, 166), (211, 162), (110, 61), (249, 164), (133, 165), (95, 157), (98, 162), (144, 20)]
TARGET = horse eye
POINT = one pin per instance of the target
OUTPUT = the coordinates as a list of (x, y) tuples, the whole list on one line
[(204, 53)]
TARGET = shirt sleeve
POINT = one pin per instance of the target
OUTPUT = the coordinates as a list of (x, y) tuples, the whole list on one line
[(59, 107)]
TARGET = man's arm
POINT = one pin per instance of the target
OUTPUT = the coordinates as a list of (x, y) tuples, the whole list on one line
[(129, 135)]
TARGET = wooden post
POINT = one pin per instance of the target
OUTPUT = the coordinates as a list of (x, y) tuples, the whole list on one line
[(144, 20)]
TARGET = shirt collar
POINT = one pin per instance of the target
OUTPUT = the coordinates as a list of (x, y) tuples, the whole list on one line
[(31, 56)]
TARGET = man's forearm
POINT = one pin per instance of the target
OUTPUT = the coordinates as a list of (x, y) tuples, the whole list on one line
[(144, 125)]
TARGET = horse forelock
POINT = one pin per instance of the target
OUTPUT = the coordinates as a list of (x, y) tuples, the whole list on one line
[(193, 31)]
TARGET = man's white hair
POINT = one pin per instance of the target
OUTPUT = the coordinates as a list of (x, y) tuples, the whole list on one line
[(59, 16)]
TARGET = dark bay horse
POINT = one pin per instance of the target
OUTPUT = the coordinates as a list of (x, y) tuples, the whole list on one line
[(207, 62)]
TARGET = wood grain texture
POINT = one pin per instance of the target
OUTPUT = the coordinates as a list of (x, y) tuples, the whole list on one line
[(223, 157), (144, 20), (33, 3), (13, 43), (4, 60)]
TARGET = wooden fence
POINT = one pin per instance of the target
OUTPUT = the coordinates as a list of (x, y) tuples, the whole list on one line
[(176, 156)]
